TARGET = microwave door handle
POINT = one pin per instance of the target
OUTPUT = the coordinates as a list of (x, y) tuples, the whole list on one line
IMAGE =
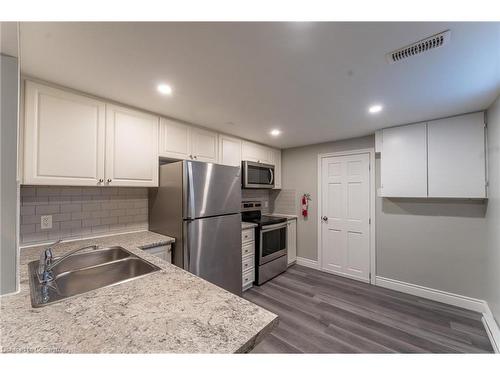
[(272, 176)]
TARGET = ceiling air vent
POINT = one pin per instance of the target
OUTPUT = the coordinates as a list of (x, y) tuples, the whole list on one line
[(419, 47)]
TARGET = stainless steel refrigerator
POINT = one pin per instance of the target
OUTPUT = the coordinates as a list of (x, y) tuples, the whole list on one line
[(199, 204)]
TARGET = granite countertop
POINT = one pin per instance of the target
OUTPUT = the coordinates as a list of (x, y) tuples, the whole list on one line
[(245, 225), (169, 311)]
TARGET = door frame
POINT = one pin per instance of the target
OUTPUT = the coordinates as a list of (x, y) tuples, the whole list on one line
[(371, 173)]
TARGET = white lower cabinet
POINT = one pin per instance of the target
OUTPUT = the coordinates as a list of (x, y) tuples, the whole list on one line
[(248, 258), (131, 147), (291, 243), (163, 252)]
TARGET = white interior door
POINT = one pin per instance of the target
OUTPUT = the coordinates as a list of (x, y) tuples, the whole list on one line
[(345, 215)]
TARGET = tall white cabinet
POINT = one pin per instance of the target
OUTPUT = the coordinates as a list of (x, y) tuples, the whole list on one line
[(64, 137), (443, 158)]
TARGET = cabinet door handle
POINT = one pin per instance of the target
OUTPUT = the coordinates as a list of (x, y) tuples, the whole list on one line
[(101, 180), (109, 180)]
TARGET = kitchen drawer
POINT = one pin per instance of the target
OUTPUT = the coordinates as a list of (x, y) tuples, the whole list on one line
[(247, 235), (248, 263), (248, 249), (248, 277)]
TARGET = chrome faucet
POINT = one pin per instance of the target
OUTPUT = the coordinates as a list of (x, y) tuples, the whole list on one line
[(47, 263)]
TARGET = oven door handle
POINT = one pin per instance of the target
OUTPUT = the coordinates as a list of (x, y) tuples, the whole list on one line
[(268, 228)]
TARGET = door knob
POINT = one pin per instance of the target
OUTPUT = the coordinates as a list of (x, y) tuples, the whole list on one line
[(324, 218)]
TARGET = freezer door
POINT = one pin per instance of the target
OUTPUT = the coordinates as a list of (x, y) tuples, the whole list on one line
[(213, 250), (211, 189)]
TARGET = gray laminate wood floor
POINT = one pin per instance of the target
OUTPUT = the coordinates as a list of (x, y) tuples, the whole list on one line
[(324, 313)]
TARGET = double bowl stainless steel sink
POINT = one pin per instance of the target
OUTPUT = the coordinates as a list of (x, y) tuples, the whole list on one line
[(84, 272)]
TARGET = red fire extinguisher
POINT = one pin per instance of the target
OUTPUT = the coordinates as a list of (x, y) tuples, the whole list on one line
[(305, 204)]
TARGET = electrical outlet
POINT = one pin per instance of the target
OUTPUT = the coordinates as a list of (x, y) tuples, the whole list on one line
[(46, 222)]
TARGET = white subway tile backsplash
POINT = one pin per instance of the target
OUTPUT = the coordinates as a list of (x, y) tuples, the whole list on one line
[(28, 228), (33, 201), (27, 210), (72, 207), (47, 209), (81, 211)]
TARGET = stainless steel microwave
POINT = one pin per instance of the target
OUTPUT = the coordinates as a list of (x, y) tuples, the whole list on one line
[(257, 175)]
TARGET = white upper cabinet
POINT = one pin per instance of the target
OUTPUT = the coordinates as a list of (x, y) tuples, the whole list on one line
[(204, 145), (174, 139), (63, 137), (257, 153), (404, 161), (229, 150), (181, 141), (131, 147), (457, 157), (277, 168)]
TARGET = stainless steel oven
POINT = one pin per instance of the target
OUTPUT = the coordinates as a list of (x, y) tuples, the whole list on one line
[(257, 175), (272, 242)]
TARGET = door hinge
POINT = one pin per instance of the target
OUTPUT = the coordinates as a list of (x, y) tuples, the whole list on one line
[(369, 220), (369, 166)]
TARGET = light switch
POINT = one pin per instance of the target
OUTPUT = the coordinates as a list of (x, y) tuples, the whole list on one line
[(46, 222)]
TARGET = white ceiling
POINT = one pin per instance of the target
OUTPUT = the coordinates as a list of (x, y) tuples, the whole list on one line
[(314, 81)]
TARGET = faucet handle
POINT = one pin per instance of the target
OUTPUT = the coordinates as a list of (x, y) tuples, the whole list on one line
[(46, 258)]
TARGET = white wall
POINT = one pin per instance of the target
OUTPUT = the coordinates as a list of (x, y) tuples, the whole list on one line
[(492, 284)]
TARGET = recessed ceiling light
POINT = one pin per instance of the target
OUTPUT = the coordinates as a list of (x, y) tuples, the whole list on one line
[(375, 108), (164, 89), (275, 132)]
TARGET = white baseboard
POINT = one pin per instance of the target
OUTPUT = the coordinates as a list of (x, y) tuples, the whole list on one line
[(492, 329), (432, 294), (308, 263), (481, 306)]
